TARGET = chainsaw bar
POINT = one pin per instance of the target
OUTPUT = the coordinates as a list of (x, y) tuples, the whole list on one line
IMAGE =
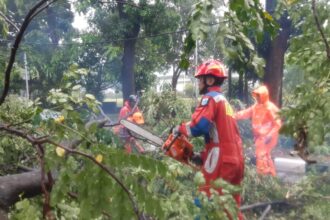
[(142, 132)]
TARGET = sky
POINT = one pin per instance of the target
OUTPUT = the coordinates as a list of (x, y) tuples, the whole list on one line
[(79, 21)]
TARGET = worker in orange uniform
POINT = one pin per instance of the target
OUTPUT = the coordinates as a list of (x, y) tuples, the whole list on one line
[(130, 112), (222, 156), (266, 124)]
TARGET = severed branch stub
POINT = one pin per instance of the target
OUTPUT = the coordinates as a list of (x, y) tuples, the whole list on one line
[(265, 212)]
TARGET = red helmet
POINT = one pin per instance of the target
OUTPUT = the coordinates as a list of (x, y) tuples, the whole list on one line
[(211, 67)]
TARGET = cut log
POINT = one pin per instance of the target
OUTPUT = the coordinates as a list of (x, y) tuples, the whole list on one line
[(25, 185)]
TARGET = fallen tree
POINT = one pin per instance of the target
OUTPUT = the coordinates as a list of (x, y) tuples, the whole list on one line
[(25, 185)]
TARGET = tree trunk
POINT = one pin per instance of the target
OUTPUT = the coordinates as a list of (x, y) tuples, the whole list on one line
[(3, 214), (175, 77), (275, 57), (240, 86), (11, 187), (246, 88), (51, 20), (127, 70)]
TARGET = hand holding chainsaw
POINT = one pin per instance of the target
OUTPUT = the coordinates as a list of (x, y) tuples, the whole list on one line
[(176, 146), (175, 130)]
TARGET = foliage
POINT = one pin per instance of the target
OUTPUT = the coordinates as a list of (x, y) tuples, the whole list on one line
[(189, 90), (46, 61), (3, 23), (240, 29), (245, 126), (155, 43), (26, 210), (161, 187), (293, 76), (15, 150), (102, 61), (306, 199), (260, 188), (312, 197), (311, 108), (165, 109)]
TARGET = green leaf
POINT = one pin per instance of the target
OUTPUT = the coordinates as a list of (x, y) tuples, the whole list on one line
[(90, 96)]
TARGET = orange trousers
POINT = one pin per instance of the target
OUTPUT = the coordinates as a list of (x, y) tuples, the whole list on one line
[(264, 146)]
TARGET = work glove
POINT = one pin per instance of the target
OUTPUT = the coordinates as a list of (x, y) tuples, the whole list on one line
[(175, 130), (196, 159)]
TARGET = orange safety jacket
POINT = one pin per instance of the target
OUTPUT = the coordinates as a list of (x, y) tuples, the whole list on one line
[(126, 113), (266, 124), (223, 153), (264, 115)]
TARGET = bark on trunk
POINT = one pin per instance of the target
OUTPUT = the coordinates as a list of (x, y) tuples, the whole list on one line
[(3, 214), (240, 87), (175, 77), (12, 186), (51, 20), (246, 89), (275, 61), (127, 70)]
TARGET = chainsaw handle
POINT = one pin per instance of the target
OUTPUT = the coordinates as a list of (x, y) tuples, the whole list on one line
[(172, 142)]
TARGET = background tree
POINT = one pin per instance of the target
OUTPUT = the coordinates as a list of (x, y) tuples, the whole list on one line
[(151, 186), (274, 53), (139, 33), (41, 44), (308, 114), (239, 32)]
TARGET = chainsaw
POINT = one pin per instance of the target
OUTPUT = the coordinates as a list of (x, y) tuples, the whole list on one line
[(176, 146)]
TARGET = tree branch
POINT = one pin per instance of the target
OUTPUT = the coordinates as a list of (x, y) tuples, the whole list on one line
[(42, 8), (265, 212), (103, 167), (15, 46), (47, 213), (44, 140), (320, 29), (262, 204), (9, 21)]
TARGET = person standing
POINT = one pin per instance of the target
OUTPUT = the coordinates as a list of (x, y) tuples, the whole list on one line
[(266, 124), (222, 156), (130, 112)]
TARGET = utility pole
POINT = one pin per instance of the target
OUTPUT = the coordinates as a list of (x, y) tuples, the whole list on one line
[(26, 76)]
